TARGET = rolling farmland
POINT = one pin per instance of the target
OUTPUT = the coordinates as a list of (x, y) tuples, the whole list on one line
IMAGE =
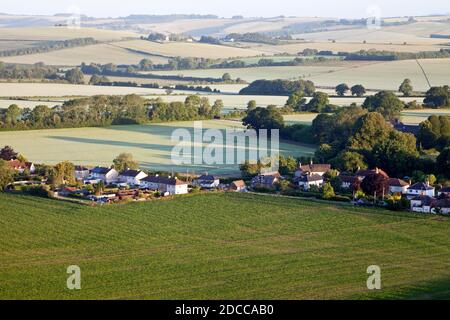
[(246, 247), (98, 53), (150, 144), (373, 75), (186, 49)]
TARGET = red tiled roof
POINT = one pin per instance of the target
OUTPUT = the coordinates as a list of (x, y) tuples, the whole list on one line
[(394, 182), (319, 167), (16, 164), (348, 179), (365, 173)]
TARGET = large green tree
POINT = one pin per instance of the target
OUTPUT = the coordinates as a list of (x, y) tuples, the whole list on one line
[(75, 76), (438, 97), (7, 153), (264, 118), (443, 162), (358, 90), (6, 174), (406, 88), (386, 103), (342, 89), (318, 103), (125, 161)]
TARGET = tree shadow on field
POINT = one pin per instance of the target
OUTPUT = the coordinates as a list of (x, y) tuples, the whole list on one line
[(149, 146), (432, 290)]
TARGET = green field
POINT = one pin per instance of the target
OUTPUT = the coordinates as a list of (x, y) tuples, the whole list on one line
[(150, 144), (219, 246)]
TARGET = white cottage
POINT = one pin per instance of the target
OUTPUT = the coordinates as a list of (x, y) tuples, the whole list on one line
[(81, 173), (398, 186), (107, 175), (170, 185), (132, 177), (207, 182), (307, 181), (420, 188)]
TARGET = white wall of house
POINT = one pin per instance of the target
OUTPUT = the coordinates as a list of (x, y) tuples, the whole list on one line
[(82, 175), (110, 177), (133, 180), (177, 189), (397, 189), (307, 185), (412, 192), (207, 185)]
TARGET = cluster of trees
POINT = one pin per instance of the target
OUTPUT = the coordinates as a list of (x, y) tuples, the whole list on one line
[(209, 40), (107, 110), (438, 97), (376, 55), (111, 69), (36, 71), (279, 87), (47, 46), (252, 37), (193, 108), (434, 133), (40, 71), (357, 90), (196, 88), (263, 118)]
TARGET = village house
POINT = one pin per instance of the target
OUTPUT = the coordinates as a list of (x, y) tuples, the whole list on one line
[(21, 166), (420, 188), (444, 192), (308, 180), (170, 185), (349, 181), (422, 203), (312, 169), (398, 186), (366, 172), (132, 177), (266, 180), (442, 206), (107, 175), (238, 186), (207, 181), (81, 173)]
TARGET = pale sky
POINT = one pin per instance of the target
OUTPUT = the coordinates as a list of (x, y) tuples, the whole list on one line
[(227, 8)]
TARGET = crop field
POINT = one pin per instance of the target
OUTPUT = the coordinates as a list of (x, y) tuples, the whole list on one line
[(219, 246), (61, 90), (5, 103), (418, 116), (186, 49), (62, 33), (98, 53), (150, 144), (252, 74), (412, 117), (373, 75)]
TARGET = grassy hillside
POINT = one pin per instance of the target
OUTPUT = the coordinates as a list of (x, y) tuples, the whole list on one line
[(219, 246)]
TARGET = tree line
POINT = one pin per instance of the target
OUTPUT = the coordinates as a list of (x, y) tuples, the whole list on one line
[(46, 46), (107, 110)]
